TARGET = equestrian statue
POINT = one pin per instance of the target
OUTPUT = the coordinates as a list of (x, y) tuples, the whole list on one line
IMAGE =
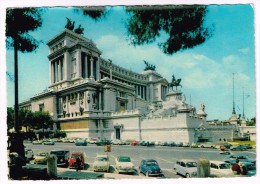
[(174, 82)]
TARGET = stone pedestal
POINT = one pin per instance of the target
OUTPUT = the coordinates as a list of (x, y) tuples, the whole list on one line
[(52, 166), (203, 168)]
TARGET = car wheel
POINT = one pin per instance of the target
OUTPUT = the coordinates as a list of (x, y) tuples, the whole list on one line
[(187, 175), (147, 174)]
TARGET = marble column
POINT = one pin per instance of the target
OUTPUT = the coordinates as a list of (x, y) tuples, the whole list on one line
[(99, 101), (51, 72), (86, 65), (65, 66), (56, 71), (91, 65), (78, 61), (98, 69)]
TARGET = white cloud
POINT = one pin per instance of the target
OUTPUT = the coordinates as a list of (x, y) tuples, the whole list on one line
[(244, 50)]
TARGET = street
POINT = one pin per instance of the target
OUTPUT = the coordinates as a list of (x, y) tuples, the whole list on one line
[(165, 156)]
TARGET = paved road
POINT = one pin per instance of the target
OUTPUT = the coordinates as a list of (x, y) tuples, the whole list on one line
[(165, 156)]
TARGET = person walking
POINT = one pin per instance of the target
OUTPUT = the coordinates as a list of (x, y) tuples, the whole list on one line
[(78, 163), (236, 168)]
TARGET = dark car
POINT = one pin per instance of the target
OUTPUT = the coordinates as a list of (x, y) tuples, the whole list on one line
[(62, 157), (172, 144), (81, 143), (241, 157), (238, 148), (48, 142), (103, 142), (249, 169), (150, 167), (247, 146)]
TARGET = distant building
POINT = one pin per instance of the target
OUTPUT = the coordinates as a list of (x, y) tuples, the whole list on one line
[(90, 96)]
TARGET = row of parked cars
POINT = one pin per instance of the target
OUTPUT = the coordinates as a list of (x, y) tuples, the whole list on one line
[(149, 167), (100, 142)]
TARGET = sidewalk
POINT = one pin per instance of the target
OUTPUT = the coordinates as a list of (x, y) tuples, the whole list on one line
[(65, 173)]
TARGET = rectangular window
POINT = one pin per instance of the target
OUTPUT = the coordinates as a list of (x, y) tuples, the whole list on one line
[(41, 107)]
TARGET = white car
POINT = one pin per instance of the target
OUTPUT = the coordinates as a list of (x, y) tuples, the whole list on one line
[(101, 163), (187, 168), (124, 165), (220, 169)]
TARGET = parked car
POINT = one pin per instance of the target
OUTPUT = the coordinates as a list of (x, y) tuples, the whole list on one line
[(179, 144), (194, 145), (143, 143), (73, 157), (172, 144), (41, 158), (249, 169), (81, 142), (29, 155), (124, 164), (116, 142), (223, 146), (93, 140), (150, 143), (220, 169), (134, 143), (238, 148), (48, 142), (240, 156), (224, 152), (150, 167), (247, 146), (37, 142), (101, 163), (206, 145), (103, 142), (62, 157), (186, 144), (187, 168)]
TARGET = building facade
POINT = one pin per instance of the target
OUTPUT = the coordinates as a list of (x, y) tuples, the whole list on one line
[(90, 96)]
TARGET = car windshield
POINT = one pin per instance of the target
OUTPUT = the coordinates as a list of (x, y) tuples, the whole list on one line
[(224, 166), (150, 163), (103, 159), (57, 152), (191, 164), (239, 156), (124, 159), (75, 156)]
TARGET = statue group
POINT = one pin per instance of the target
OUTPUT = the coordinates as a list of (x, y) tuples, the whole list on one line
[(149, 66), (70, 25)]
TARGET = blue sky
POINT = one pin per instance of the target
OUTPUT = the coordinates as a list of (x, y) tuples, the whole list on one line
[(206, 70)]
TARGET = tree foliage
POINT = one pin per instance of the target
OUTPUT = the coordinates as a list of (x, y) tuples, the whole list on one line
[(19, 23), (182, 24), (10, 118), (29, 120), (94, 12)]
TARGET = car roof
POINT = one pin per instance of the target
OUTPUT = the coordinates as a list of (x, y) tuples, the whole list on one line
[(77, 153), (151, 160), (186, 160), (58, 150), (123, 156), (217, 162), (102, 156)]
